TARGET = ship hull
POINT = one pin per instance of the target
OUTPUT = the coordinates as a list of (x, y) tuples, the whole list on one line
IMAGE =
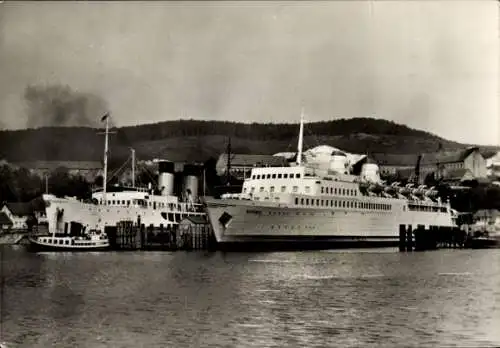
[(290, 243), (239, 224), (35, 246)]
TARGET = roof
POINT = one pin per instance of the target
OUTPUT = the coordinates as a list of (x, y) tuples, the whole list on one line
[(52, 165), (395, 159), (488, 153), (242, 160), (195, 219), (410, 160), (4, 219), (459, 174), (20, 209), (447, 156), (338, 153)]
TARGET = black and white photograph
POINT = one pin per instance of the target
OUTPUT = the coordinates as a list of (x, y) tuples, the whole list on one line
[(320, 173)]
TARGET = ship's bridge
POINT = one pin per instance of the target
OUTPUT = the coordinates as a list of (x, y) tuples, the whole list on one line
[(277, 173)]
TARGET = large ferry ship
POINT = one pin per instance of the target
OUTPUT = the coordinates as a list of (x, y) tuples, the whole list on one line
[(321, 206), (112, 204)]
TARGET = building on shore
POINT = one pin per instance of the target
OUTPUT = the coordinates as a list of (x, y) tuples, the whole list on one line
[(449, 166), (492, 164), (5, 223), (18, 213)]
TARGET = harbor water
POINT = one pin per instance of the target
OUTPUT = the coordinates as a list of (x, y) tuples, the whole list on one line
[(377, 298)]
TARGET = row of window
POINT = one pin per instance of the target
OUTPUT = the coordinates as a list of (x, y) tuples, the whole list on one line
[(276, 176), (413, 207), (135, 202), (339, 191), (342, 204), (298, 227), (65, 242), (142, 203), (54, 241), (283, 213), (295, 189)]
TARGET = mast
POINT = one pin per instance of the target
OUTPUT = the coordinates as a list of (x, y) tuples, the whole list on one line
[(133, 167), (301, 138), (228, 169), (105, 174), (204, 182)]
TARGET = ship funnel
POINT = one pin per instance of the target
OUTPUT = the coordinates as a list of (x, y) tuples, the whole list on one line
[(338, 162), (190, 184), (370, 172), (166, 178)]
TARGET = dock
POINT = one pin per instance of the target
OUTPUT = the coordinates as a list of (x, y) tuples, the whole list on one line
[(192, 233), (438, 237)]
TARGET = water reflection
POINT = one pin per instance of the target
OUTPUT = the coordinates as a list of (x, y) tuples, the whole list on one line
[(313, 299)]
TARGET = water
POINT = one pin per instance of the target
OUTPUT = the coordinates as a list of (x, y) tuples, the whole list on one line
[(380, 298)]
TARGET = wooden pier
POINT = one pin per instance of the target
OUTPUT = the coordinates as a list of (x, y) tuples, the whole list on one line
[(435, 237), (192, 233)]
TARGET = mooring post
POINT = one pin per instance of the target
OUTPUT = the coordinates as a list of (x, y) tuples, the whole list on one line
[(402, 237), (409, 238)]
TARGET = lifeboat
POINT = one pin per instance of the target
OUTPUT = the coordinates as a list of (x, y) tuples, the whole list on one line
[(376, 188), (432, 192), (408, 189), (420, 191)]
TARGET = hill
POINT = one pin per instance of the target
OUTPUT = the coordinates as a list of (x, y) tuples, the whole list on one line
[(193, 140)]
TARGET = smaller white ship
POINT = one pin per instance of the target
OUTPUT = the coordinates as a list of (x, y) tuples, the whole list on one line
[(112, 204), (91, 241)]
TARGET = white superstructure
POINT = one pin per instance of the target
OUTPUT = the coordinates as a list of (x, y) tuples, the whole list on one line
[(111, 205), (316, 205)]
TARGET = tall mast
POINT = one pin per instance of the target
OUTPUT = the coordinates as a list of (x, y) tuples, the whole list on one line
[(133, 167), (228, 169), (204, 182), (301, 138), (105, 175)]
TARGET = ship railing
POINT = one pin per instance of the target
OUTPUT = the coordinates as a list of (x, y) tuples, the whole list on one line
[(422, 202)]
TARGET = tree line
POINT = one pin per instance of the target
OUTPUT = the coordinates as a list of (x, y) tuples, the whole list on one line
[(83, 143), (18, 184)]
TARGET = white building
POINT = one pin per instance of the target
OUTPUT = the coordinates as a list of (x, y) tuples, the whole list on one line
[(18, 213), (493, 165)]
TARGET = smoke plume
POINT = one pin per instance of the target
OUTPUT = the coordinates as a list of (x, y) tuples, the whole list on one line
[(61, 106)]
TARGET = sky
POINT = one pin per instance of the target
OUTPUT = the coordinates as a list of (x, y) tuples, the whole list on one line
[(432, 65)]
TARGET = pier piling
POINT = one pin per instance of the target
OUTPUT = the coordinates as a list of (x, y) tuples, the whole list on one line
[(190, 234), (432, 238)]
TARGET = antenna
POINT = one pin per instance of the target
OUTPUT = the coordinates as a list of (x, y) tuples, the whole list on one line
[(301, 138)]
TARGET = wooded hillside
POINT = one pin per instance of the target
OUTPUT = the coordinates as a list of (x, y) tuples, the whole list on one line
[(192, 140)]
